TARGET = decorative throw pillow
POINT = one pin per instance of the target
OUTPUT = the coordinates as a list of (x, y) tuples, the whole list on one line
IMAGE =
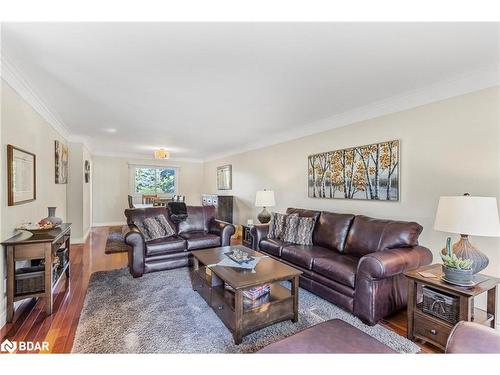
[(278, 224), (304, 232), (155, 227), (291, 228)]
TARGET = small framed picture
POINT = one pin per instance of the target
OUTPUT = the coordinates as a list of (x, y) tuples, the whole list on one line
[(21, 176), (224, 177)]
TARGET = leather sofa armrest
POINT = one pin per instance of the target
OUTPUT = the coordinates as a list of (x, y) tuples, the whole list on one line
[(469, 338), (136, 253), (223, 230), (259, 232), (391, 262)]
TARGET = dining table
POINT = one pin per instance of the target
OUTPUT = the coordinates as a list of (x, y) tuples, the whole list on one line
[(143, 205)]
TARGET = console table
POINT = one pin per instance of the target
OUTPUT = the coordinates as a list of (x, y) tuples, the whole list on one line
[(40, 246), (434, 330)]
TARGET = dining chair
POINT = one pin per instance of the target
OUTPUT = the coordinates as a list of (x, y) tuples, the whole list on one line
[(149, 198)]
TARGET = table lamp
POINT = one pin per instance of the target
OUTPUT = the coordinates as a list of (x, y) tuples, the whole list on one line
[(264, 198), (467, 215)]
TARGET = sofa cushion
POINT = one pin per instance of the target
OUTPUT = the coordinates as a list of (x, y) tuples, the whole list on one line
[(165, 245), (198, 219), (303, 212), (272, 246), (368, 235), (201, 240), (337, 267), (303, 255), (331, 230)]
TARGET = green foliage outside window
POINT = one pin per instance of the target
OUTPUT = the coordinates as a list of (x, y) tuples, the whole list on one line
[(154, 180)]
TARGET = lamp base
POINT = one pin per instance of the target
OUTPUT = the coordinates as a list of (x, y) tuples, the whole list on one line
[(465, 250), (264, 217)]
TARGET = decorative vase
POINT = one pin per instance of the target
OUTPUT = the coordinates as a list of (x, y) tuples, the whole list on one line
[(456, 276), (52, 216)]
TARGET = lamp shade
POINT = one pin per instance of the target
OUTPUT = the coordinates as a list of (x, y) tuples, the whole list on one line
[(477, 216), (264, 198)]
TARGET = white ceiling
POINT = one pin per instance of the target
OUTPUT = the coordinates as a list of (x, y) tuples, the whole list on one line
[(206, 89)]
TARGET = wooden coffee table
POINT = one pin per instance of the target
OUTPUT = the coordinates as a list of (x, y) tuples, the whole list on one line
[(240, 315)]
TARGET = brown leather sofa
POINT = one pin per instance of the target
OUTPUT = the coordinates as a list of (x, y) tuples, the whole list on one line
[(356, 262), (199, 231)]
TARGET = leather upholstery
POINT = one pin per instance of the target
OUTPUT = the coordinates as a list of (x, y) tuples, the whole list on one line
[(139, 214), (336, 266), (367, 277), (167, 245), (304, 255), (331, 230), (273, 246), (259, 232), (223, 230), (198, 219), (303, 212), (201, 240), (392, 262), (332, 336), (368, 235), (173, 252), (471, 338)]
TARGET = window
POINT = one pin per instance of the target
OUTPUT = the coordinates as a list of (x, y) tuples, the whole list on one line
[(154, 180)]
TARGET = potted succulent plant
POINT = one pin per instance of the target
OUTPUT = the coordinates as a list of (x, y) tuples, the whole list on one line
[(456, 270)]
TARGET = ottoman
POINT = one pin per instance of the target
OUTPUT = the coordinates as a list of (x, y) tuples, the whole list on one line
[(332, 336)]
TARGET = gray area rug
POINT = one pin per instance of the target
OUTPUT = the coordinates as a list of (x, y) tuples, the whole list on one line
[(160, 313)]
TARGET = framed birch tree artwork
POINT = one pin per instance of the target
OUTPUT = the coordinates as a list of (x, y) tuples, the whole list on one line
[(368, 172)]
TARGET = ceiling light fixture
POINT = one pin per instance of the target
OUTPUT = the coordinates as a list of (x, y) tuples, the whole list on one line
[(161, 154)]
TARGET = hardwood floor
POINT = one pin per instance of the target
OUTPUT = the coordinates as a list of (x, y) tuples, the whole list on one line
[(32, 324)]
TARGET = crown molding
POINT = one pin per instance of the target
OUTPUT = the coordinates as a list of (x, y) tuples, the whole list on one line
[(143, 157), (15, 79), (459, 85)]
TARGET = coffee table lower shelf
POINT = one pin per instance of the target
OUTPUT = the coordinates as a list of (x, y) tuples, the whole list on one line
[(275, 307)]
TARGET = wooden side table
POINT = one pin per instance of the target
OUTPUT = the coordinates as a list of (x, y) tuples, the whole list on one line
[(434, 330), (247, 238), (25, 247)]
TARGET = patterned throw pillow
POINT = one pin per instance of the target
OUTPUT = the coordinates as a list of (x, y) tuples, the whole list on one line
[(155, 227), (278, 225), (305, 229), (291, 228)]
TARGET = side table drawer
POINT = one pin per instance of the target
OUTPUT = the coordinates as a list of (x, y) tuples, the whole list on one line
[(429, 328)]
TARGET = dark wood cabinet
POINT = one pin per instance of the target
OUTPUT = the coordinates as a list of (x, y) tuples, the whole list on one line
[(223, 204)]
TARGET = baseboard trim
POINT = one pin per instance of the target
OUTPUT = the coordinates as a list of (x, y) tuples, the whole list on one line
[(81, 240), (109, 224)]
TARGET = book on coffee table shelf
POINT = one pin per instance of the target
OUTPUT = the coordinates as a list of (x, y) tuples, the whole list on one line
[(254, 293)]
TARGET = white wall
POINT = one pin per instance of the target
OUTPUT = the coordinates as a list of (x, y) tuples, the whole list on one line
[(79, 192), (111, 185), (23, 127), (447, 148)]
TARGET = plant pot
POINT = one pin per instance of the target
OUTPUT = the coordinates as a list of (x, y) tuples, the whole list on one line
[(456, 276)]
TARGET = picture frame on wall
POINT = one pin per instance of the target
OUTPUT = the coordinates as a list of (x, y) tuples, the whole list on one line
[(87, 171), (224, 177), (21, 176), (61, 162), (369, 172)]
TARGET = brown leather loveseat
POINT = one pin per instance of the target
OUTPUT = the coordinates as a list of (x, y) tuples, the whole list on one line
[(199, 231), (356, 262)]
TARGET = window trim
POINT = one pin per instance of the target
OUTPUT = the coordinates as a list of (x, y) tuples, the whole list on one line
[(132, 171)]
